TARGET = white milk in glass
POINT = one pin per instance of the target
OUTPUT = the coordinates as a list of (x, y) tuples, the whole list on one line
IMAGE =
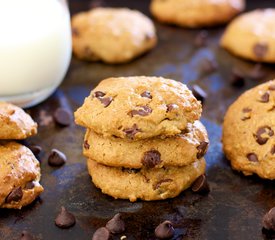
[(35, 49)]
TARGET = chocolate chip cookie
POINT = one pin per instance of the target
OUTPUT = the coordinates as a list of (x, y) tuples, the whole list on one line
[(112, 35), (248, 132), (15, 123), (19, 176), (198, 13), (145, 183), (138, 108), (251, 36), (179, 150)]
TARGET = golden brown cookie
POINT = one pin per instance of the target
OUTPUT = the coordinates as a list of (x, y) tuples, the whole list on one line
[(113, 35), (138, 108), (179, 150), (146, 184), (251, 36), (19, 176), (248, 132), (196, 13), (15, 123)]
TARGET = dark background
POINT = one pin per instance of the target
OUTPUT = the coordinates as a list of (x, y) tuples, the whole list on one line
[(235, 205)]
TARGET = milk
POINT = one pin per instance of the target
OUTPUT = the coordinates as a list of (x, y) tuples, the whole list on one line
[(35, 49)]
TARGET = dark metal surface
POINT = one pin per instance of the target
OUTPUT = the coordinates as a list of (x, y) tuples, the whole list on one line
[(235, 205)]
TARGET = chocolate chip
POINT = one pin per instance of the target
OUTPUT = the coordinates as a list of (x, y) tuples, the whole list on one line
[(106, 101), (263, 133), (199, 93), (257, 72), (146, 94), (75, 32), (25, 235), (57, 158), (272, 151), (271, 88), (101, 234), (252, 157), (65, 219), (131, 132), (171, 106), (201, 185), (165, 230), (35, 149), (265, 98), (246, 110), (202, 149), (63, 117), (29, 185), (158, 184), (237, 79), (208, 66), (151, 158), (15, 195), (260, 49), (116, 224), (130, 170), (201, 39), (269, 220), (99, 94), (86, 145), (143, 111)]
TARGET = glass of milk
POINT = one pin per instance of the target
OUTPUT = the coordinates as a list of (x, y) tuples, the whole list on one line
[(35, 49)]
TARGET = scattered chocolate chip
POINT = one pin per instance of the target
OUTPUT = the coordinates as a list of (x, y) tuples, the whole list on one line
[(201, 39), (35, 149), (272, 151), (57, 158), (202, 149), (271, 88), (106, 101), (65, 219), (15, 195), (260, 49), (29, 185), (101, 234), (63, 117), (165, 230), (237, 79), (131, 132), (201, 185), (143, 111), (86, 145), (130, 170), (146, 94), (269, 220), (263, 134), (257, 72), (75, 32), (158, 184), (265, 97), (99, 94), (199, 93), (25, 235), (252, 157), (116, 224), (171, 106), (151, 158), (246, 110), (208, 66)]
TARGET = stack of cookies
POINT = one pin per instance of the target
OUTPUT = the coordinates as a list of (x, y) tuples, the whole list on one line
[(19, 169), (143, 139)]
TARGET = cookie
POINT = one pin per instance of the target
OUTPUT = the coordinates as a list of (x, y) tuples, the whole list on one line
[(248, 132), (146, 184), (15, 123), (179, 150), (138, 108), (251, 36), (198, 13), (112, 35), (19, 176)]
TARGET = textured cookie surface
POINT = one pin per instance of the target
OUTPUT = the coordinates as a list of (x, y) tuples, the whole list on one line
[(248, 132), (251, 36), (196, 13), (113, 35), (15, 123), (180, 150), (145, 184), (19, 176), (138, 108)]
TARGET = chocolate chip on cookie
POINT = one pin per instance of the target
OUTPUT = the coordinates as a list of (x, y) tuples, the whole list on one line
[(86, 145), (142, 111), (272, 151), (165, 230), (99, 94), (201, 185), (29, 185), (65, 219), (202, 149), (15, 195), (252, 157), (146, 94), (101, 234), (260, 49), (131, 132), (265, 97), (151, 158), (158, 184), (105, 101), (263, 134), (116, 224), (170, 107)]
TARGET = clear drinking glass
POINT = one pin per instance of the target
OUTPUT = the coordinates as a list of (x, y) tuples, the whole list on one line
[(35, 49)]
